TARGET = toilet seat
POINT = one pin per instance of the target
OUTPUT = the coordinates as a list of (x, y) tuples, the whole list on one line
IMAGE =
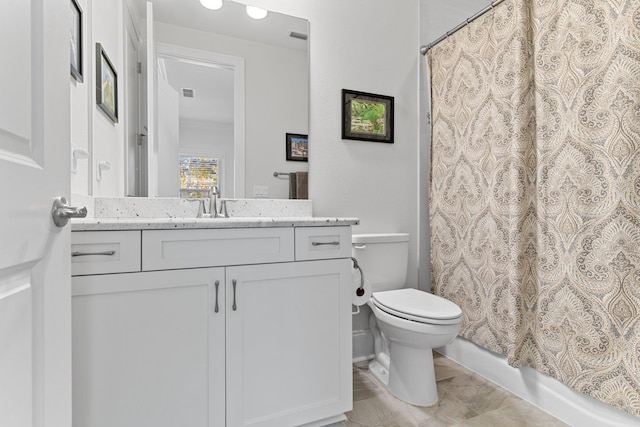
[(419, 306)]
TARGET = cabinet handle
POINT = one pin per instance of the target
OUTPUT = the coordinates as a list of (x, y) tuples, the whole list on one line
[(234, 307), (334, 243), (106, 253), (217, 284)]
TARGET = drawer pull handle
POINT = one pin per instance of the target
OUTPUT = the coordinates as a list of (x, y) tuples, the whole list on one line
[(334, 243), (105, 253), (359, 246), (216, 308), (234, 307)]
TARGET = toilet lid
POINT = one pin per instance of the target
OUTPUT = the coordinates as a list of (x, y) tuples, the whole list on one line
[(417, 305)]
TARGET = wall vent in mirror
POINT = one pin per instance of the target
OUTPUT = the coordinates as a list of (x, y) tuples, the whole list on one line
[(188, 93)]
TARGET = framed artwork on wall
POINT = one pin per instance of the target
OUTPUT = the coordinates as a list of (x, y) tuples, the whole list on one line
[(297, 147), (75, 44), (106, 84), (367, 116)]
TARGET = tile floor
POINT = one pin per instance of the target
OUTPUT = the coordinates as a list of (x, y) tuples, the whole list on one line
[(466, 399)]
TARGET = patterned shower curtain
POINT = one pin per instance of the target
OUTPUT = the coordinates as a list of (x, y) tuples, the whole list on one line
[(535, 188)]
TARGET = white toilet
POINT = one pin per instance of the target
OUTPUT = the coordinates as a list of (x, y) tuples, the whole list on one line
[(406, 323)]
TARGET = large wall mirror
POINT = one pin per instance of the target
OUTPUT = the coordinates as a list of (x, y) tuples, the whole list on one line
[(228, 89)]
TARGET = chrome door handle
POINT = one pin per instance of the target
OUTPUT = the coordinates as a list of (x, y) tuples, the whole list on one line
[(217, 284), (105, 253), (61, 212), (334, 243), (234, 307)]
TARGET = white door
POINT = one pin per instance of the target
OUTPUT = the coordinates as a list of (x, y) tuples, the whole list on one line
[(35, 329)]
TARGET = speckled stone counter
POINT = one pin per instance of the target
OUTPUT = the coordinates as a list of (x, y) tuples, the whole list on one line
[(166, 213), (173, 207), (110, 224)]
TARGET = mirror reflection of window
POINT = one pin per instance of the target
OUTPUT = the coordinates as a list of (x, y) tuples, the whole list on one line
[(198, 174)]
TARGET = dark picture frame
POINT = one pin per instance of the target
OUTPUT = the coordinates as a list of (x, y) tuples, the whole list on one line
[(367, 116), (297, 146), (106, 84), (75, 41)]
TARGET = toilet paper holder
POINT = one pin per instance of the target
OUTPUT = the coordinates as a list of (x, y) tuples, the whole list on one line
[(360, 290)]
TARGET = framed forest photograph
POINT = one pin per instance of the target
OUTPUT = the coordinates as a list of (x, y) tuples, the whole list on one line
[(367, 116)]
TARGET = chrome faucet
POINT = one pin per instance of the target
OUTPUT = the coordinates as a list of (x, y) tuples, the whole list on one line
[(214, 195)]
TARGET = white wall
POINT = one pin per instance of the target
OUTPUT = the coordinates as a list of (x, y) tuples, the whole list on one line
[(276, 97), (168, 140), (108, 137), (91, 129), (80, 97)]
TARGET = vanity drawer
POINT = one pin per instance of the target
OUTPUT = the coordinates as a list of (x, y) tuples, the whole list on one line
[(169, 249), (101, 252), (322, 243)]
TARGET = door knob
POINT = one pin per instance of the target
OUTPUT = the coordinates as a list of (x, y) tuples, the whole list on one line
[(61, 212)]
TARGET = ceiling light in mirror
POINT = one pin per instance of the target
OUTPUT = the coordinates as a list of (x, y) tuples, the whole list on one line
[(212, 4), (256, 12)]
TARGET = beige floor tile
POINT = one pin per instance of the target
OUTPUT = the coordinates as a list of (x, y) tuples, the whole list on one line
[(521, 414), (446, 368), (465, 399), (477, 393), (364, 387)]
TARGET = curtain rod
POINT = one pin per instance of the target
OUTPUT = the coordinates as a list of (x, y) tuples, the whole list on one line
[(424, 49)]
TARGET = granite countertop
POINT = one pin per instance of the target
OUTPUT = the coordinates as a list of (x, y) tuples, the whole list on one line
[(147, 213), (111, 224)]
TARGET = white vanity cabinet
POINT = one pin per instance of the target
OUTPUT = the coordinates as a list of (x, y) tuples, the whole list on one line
[(148, 349), (286, 364), (218, 327)]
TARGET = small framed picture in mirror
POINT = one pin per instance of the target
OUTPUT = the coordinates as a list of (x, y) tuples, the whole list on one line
[(106, 84), (297, 147)]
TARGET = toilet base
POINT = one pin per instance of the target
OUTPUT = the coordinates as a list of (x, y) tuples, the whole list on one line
[(410, 377)]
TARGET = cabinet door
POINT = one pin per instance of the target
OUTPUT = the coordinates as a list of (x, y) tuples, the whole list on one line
[(148, 349), (288, 343)]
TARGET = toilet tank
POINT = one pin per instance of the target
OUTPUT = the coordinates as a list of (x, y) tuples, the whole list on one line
[(383, 259)]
